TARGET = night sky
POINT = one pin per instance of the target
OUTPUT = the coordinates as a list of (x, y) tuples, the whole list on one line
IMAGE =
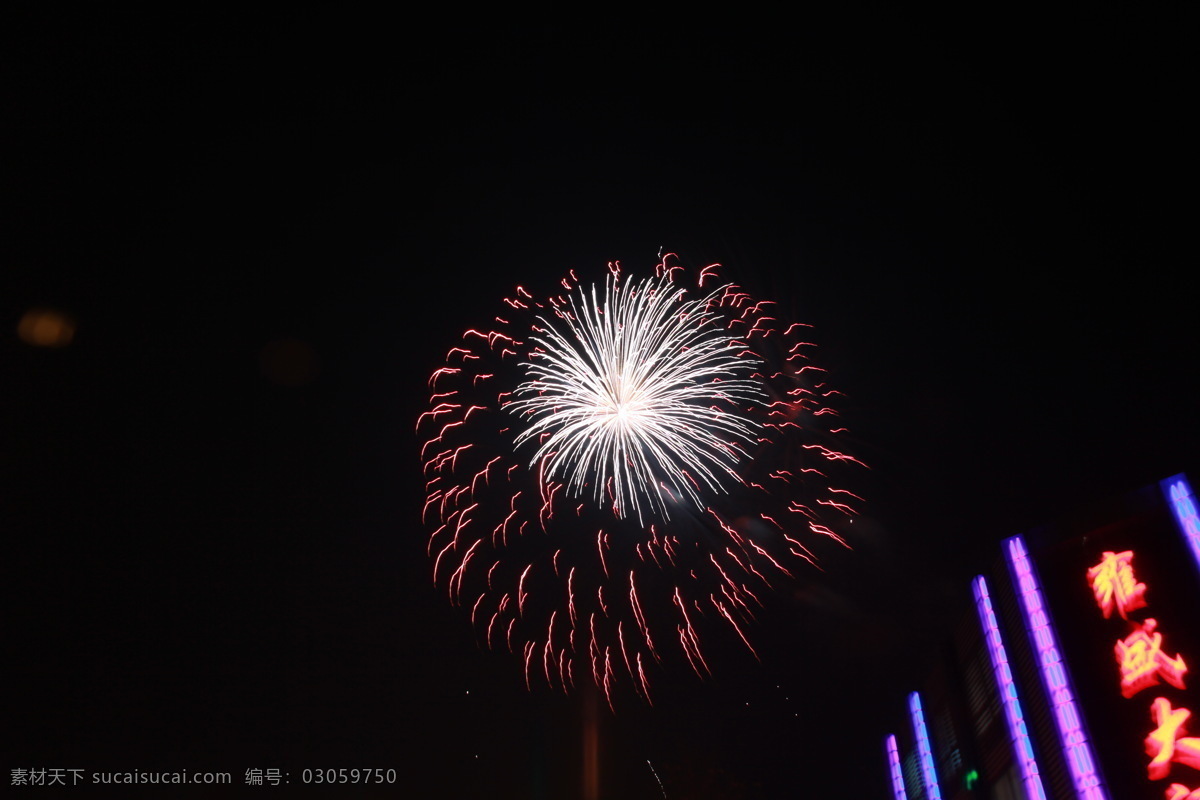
[(268, 230)]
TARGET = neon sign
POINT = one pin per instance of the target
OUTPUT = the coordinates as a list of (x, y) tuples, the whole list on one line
[(1077, 750), (928, 773), (1183, 503), (893, 756), (1113, 584), (1143, 663), (1167, 743), (1022, 747)]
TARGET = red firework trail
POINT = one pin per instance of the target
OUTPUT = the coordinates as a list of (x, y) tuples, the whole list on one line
[(614, 468)]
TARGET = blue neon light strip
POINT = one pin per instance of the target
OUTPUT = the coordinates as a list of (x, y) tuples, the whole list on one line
[(893, 756), (1183, 503), (923, 750), (1022, 747), (1077, 751)]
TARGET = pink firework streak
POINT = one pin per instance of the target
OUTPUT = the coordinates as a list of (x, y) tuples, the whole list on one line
[(614, 468)]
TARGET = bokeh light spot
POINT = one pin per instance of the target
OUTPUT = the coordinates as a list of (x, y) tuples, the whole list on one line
[(46, 327)]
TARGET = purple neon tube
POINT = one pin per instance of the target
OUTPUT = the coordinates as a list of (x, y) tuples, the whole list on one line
[(1022, 747), (1077, 750)]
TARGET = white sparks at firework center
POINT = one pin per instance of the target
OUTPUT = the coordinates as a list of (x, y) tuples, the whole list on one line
[(640, 395)]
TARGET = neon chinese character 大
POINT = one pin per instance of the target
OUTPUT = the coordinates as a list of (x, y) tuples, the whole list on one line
[(1167, 743)]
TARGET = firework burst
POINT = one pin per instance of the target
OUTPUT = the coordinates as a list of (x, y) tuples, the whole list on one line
[(613, 468), (640, 395)]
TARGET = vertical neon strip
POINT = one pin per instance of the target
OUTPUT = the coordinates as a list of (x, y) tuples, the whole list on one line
[(1022, 747), (893, 756), (923, 750), (1077, 751), (1183, 503)]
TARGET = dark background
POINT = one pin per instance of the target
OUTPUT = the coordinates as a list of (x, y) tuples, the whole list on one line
[(269, 229)]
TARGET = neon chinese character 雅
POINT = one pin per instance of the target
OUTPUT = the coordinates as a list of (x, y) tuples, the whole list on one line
[(1114, 585), (1143, 663), (1167, 743)]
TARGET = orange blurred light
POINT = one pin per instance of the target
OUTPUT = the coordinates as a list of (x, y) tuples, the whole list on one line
[(46, 327)]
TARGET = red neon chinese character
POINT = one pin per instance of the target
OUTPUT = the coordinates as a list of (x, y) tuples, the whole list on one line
[(1113, 583), (1177, 791), (1143, 663), (1167, 743)]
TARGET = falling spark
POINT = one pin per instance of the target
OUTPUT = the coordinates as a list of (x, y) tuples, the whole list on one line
[(660, 783)]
